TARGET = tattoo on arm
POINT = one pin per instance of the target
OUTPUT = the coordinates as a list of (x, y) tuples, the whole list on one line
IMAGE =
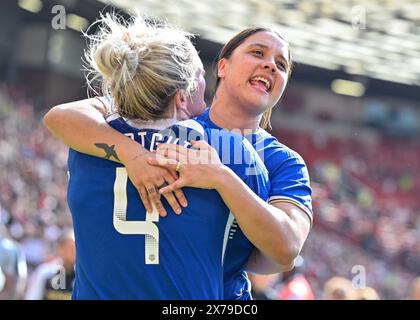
[(109, 151)]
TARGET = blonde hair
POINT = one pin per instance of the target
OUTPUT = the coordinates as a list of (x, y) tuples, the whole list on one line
[(140, 64), (265, 121)]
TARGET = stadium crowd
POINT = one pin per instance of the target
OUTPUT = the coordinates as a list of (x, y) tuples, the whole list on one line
[(365, 205), (366, 209), (33, 178)]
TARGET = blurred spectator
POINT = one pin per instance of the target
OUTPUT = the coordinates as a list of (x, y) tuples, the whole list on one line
[(367, 209), (415, 290), (262, 285), (366, 293), (338, 288), (2, 280), (13, 270), (294, 284), (290, 285), (54, 280), (295, 287), (33, 179)]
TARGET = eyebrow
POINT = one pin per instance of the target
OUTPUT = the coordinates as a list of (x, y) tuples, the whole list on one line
[(257, 44)]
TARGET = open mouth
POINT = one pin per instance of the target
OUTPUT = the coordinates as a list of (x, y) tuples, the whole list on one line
[(261, 83)]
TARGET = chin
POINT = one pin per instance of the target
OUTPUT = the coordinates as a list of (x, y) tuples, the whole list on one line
[(259, 107)]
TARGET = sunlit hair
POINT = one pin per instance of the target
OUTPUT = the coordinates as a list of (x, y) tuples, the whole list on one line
[(140, 64), (235, 42)]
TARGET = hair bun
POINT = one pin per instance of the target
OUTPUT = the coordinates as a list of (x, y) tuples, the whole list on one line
[(140, 64), (114, 56)]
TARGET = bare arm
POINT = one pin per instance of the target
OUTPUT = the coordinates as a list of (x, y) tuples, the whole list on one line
[(81, 126), (260, 264), (278, 230)]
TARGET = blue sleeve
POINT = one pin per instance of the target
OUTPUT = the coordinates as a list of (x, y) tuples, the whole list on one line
[(289, 179), (238, 154)]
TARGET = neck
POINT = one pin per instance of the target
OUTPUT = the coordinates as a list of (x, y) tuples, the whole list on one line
[(228, 115), (170, 111), (152, 124), (180, 114)]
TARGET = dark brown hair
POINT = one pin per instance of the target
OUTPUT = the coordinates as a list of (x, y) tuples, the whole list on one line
[(235, 42)]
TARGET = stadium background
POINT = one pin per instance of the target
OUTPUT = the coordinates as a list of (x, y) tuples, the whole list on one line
[(351, 110)]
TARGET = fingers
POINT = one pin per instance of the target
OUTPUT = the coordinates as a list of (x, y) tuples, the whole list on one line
[(154, 197), (145, 199), (172, 154), (173, 173), (170, 197), (206, 152), (163, 162), (178, 192), (200, 144), (178, 184), (173, 147), (151, 195)]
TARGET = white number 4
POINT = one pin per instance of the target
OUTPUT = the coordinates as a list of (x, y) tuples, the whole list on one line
[(148, 228)]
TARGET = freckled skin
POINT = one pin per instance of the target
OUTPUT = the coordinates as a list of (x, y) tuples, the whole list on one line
[(249, 60)]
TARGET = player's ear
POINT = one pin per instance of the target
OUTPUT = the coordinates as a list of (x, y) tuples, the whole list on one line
[(181, 101), (221, 67)]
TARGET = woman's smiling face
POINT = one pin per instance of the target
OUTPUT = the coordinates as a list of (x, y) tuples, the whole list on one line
[(257, 71)]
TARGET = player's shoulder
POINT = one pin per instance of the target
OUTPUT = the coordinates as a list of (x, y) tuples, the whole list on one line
[(118, 122), (105, 104), (274, 149), (186, 130), (193, 124), (113, 116), (270, 141)]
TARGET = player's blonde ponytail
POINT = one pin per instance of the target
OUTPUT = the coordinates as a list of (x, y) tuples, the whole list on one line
[(141, 65)]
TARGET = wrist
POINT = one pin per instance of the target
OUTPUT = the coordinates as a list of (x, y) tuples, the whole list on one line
[(222, 177), (130, 150)]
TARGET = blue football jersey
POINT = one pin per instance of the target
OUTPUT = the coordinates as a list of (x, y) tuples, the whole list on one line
[(289, 182), (122, 252)]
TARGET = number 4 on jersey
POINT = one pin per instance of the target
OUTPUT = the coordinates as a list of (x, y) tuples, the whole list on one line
[(148, 228)]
